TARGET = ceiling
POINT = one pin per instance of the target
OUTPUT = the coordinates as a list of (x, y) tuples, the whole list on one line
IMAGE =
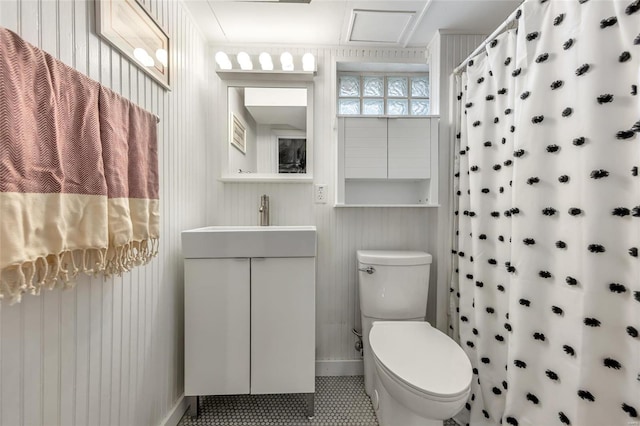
[(389, 23)]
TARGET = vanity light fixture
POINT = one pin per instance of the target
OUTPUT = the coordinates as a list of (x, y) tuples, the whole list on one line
[(223, 61), (245, 66), (287, 61), (244, 61), (143, 56), (308, 62), (265, 61)]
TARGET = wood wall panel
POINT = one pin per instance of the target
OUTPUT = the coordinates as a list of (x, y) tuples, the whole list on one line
[(110, 351)]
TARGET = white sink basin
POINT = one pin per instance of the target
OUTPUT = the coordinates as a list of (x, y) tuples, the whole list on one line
[(249, 241)]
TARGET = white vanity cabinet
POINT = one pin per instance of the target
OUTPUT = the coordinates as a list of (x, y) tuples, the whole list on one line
[(249, 320), (387, 161)]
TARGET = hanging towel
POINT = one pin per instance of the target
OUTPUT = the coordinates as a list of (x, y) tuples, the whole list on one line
[(128, 136), (69, 201)]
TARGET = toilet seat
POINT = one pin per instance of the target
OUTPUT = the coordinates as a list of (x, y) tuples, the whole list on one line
[(421, 357)]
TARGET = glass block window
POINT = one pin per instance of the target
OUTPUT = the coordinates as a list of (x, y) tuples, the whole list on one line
[(420, 87), (349, 86), (397, 87), (397, 107), (383, 94), (349, 106), (373, 87), (419, 107), (373, 107)]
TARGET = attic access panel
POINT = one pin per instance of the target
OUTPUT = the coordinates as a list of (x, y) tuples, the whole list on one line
[(379, 26)]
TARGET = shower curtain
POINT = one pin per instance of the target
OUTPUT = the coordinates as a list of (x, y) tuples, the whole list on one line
[(545, 292)]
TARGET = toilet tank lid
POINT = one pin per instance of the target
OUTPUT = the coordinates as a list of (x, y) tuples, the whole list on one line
[(394, 257)]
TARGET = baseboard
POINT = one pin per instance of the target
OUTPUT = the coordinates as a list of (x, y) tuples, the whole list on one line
[(176, 413), (339, 367)]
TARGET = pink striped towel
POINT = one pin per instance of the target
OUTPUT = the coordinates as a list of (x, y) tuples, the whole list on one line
[(78, 174)]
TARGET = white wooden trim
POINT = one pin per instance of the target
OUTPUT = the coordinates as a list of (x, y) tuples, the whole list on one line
[(435, 171), (175, 415), (340, 186)]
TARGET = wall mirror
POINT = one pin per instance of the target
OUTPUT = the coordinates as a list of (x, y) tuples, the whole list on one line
[(269, 132)]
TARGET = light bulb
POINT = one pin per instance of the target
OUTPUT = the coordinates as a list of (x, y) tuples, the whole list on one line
[(308, 62), (141, 55), (265, 61), (161, 55), (223, 61), (287, 61), (245, 61)]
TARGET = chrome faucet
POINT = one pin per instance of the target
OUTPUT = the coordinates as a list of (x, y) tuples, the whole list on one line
[(264, 210)]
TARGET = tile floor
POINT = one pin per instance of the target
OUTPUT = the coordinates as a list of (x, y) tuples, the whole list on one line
[(339, 401)]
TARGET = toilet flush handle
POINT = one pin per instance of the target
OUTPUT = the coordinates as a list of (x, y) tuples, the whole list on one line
[(369, 270)]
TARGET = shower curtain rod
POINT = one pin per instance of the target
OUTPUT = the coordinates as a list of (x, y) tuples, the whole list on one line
[(504, 26)]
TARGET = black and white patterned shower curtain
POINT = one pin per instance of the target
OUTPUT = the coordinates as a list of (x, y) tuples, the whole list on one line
[(545, 298)]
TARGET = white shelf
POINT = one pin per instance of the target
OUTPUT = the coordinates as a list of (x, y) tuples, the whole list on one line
[(260, 75), (265, 178)]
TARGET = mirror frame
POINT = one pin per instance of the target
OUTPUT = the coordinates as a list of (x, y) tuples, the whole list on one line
[(224, 133)]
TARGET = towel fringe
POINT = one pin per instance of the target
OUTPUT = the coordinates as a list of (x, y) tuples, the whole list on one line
[(63, 268)]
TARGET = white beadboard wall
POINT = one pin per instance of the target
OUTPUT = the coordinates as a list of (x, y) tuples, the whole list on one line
[(446, 51), (341, 231), (110, 352)]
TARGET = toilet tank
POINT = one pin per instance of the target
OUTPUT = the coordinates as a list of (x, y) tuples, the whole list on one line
[(393, 285)]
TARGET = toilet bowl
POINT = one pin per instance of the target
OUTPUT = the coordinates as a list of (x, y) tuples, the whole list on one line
[(422, 376), (414, 374)]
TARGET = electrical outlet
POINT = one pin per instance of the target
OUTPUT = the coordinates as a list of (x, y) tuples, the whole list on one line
[(320, 193)]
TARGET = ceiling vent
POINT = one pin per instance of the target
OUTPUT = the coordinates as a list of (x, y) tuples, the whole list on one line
[(379, 26)]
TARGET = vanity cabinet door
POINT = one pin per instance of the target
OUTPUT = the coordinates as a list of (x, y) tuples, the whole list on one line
[(283, 325), (217, 321)]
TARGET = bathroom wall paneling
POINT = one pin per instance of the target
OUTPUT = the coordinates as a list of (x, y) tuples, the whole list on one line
[(341, 231), (110, 351)]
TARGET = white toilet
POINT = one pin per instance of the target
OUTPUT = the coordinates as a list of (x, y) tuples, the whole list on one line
[(414, 374)]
